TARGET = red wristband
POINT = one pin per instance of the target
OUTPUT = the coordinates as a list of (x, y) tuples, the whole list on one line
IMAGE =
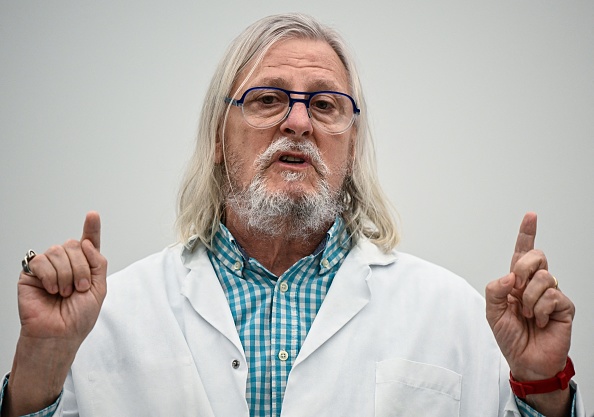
[(559, 381)]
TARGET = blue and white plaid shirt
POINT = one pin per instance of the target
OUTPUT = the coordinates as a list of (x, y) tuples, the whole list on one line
[(273, 314)]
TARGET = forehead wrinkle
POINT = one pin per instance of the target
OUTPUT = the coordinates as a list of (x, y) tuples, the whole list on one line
[(328, 74)]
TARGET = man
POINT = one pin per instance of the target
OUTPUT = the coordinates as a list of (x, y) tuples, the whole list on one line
[(285, 294)]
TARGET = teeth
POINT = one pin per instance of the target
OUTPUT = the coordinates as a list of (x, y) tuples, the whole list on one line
[(287, 158)]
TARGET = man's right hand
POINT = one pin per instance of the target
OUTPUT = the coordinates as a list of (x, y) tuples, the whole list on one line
[(59, 303)]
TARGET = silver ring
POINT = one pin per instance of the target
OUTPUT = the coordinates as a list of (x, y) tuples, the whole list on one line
[(28, 257)]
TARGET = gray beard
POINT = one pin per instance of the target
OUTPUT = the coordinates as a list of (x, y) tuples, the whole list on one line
[(279, 213)]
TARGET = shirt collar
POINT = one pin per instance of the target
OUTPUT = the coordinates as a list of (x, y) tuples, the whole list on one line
[(331, 250)]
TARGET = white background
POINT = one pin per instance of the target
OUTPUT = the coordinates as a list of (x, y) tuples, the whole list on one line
[(482, 110)]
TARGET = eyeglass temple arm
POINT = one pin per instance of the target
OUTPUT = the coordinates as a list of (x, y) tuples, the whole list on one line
[(232, 101)]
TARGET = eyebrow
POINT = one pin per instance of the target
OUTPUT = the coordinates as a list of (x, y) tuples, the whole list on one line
[(315, 85)]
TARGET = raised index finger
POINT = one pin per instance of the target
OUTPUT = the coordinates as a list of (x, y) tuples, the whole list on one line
[(526, 238), (92, 229)]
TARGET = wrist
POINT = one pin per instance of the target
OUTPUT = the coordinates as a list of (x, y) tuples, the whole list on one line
[(39, 370), (544, 386), (44, 356), (558, 403)]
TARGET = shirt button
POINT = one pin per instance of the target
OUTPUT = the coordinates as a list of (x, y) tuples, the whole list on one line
[(237, 266), (235, 364), (325, 263), (283, 355), (284, 286)]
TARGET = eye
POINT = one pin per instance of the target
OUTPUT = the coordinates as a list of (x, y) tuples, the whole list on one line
[(324, 102), (268, 99), (322, 105)]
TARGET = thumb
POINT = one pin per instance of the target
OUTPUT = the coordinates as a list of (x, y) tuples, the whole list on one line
[(91, 245), (98, 265), (96, 261), (92, 229), (496, 294)]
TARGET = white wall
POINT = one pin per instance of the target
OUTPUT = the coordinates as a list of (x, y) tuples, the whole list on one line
[(481, 111)]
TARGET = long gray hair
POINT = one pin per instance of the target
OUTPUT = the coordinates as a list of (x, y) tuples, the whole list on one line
[(201, 201)]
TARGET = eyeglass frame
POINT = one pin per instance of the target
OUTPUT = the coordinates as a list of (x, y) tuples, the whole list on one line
[(292, 101)]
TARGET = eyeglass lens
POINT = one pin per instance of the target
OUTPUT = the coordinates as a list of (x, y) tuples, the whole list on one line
[(266, 107)]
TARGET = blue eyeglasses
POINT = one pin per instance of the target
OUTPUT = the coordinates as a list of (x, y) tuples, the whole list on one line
[(264, 107)]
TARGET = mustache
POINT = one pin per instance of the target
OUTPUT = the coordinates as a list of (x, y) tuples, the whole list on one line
[(284, 144)]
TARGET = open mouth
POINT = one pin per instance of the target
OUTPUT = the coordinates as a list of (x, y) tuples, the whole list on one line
[(291, 159)]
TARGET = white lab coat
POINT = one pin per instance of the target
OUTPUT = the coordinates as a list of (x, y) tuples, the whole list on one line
[(395, 336)]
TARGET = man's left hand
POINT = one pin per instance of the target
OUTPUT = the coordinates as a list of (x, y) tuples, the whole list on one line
[(530, 317)]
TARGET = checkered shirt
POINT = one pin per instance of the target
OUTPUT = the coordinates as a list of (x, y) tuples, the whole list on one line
[(273, 314)]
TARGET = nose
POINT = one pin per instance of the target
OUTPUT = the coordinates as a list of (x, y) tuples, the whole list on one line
[(297, 123)]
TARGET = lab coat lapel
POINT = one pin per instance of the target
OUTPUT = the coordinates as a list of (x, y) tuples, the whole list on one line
[(347, 296), (203, 290)]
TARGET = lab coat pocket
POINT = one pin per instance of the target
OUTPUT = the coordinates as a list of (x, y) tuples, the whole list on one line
[(410, 389)]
